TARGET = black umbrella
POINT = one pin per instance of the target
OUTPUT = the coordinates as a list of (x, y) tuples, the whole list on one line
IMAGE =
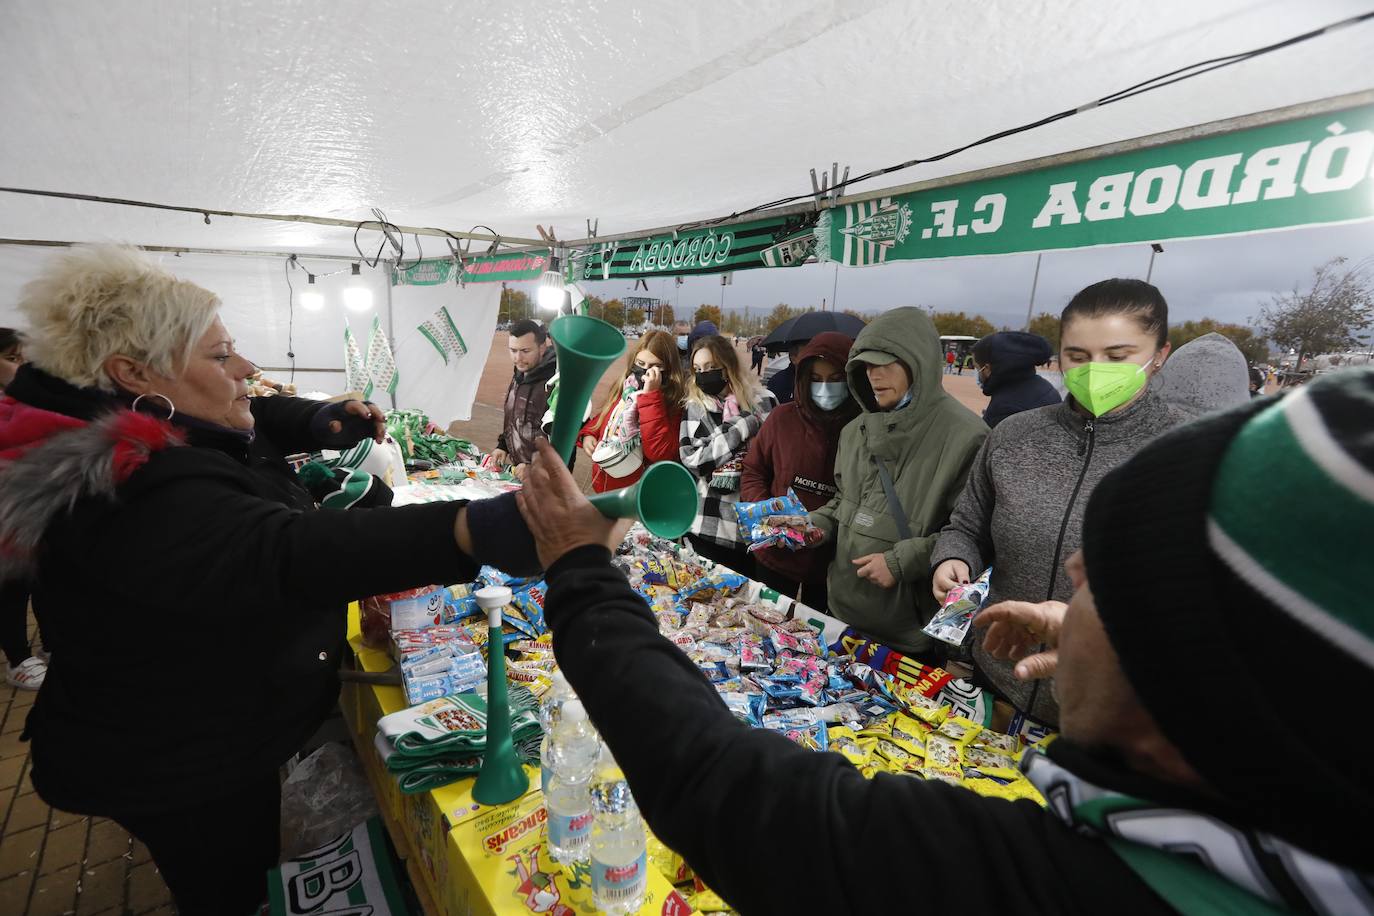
[(808, 325)]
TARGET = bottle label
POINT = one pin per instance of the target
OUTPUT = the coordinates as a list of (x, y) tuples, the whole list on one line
[(619, 883), (570, 831)]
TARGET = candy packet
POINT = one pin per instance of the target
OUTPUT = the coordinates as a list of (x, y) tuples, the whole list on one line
[(751, 514), (951, 623)]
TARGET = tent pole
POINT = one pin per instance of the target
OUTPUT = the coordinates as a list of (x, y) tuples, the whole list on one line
[(391, 325)]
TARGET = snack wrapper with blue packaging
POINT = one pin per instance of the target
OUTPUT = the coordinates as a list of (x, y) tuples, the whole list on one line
[(779, 521), (952, 622)]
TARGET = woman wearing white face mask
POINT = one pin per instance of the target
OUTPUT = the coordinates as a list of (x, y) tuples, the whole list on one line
[(796, 450), (1021, 511)]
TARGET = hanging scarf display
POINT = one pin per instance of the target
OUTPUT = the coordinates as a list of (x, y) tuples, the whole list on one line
[(1196, 862)]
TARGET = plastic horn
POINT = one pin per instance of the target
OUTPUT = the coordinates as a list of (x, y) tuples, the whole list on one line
[(664, 499), (586, 348), (502, 779)]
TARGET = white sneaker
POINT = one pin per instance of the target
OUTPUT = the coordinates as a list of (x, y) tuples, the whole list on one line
[(28, 675)]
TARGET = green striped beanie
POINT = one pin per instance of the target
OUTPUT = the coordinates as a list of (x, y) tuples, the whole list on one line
[(1231, 562)]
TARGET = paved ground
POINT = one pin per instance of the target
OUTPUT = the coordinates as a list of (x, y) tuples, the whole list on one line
[(54, 863)]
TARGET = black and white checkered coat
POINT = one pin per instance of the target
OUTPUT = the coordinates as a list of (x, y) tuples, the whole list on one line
[(707, 443)]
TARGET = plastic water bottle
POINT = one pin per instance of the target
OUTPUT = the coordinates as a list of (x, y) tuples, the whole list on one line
[(619, 852), (549, 710), (573, 754)]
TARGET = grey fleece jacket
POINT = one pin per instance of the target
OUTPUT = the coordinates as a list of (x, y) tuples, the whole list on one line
[(1021, 511), (1207, 373)]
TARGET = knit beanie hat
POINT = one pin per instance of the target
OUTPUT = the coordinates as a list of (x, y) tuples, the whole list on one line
[(343, 488), (1230, 562)]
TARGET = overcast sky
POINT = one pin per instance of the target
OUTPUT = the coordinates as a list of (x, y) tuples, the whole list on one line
[(1227, 279)]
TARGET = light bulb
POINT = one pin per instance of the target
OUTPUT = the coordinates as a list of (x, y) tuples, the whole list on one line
[(551, 291), (356, 296), (312, 299)]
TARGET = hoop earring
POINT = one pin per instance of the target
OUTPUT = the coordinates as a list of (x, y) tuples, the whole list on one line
[(171, 408)]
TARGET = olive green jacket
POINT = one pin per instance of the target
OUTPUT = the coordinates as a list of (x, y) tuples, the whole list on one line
[(928, 447)]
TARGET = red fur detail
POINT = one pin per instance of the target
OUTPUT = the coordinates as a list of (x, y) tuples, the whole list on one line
[(136, 437)]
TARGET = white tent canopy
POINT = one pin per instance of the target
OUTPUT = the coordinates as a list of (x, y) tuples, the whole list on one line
[(459, 114), (453, 114)]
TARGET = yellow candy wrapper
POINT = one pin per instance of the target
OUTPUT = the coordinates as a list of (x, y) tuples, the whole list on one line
[(961, 731), (998, 742), (705, 900), (921, 706), (942, 756), (910, 730), (669, 864), (898, 754), (984, 759), (844, 741)]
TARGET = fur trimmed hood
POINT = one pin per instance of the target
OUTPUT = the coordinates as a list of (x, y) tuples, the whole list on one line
[(50, 461)]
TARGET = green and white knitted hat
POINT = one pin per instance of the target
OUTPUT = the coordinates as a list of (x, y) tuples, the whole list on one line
[(1232, 564)]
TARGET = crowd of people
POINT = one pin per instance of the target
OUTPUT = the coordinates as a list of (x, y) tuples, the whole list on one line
[(137, 475)]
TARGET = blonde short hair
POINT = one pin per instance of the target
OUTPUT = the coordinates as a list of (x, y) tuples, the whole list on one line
[(98, 301)]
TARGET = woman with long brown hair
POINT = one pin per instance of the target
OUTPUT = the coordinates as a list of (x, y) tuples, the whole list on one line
[(723, 411), (639, 421)]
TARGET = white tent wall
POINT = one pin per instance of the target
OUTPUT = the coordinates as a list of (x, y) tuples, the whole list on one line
[(266, 327)]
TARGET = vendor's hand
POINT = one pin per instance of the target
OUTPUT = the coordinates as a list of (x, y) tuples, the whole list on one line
[(520, 470), (814, 536), (368, 411), (947, 575), (653, 378), (1017, 628), (589, 445), (873, 567), (558, 515), (499, 457)]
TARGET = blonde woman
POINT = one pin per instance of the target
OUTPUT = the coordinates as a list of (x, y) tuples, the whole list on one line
[(724, 409), (145, 499)]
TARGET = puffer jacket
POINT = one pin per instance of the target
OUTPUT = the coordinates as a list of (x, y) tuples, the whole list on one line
[(1022, 510), (191, 594), (927, 447)]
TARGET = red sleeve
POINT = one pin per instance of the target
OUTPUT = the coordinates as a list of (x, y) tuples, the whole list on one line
[(596, 426), (756, 477), (659, 427)]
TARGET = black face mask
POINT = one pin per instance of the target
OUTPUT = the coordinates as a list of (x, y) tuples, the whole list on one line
[(638, 372), (712, 383)]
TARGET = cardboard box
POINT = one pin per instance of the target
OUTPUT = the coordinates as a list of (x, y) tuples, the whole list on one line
[(499, 865)]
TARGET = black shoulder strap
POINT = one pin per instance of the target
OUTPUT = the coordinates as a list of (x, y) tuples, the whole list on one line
[(893, 505)]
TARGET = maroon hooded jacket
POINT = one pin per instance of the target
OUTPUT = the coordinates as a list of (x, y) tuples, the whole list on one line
[(796, 448)]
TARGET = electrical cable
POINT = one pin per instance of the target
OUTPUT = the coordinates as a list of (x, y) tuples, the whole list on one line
[(287, 265), (1156, 82)]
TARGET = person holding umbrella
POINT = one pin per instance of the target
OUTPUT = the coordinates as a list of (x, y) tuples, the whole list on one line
[(796, 333)]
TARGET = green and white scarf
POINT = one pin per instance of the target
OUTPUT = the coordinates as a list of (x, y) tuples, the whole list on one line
[(1198, 863)]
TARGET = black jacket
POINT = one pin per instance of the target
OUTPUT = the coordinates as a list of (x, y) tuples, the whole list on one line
[(195, 620), (775, 828), (783, 384), (1015, 390), (1013, 384)]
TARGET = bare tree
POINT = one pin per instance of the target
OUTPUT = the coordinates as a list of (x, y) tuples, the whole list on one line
[(1326, 318)]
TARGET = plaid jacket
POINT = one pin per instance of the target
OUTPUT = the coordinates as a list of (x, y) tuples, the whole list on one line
[(707, 444)]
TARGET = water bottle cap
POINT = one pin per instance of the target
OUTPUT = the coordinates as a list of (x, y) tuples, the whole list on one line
[(573, 711)]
